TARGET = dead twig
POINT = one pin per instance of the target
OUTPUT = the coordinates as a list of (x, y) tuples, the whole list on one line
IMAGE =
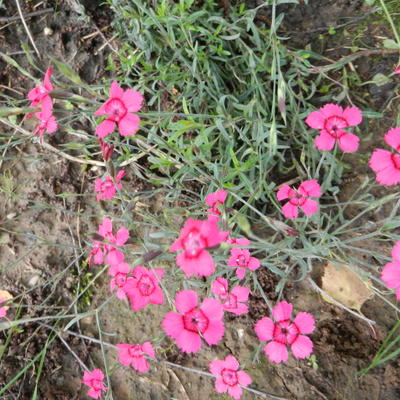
[(5, 20), (26, 28)]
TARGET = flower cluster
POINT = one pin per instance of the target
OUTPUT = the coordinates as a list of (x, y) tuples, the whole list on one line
[(40, 96)]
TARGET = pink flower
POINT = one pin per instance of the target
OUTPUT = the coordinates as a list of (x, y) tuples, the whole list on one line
[(97, 253), (119, 108), (331, 121), (3, 310), (120, 278), (229, 377), (397, 70), (215, 198), (47, 120), (107, 250), (300, 198), (233, 301), (283, 333), (191, 322), (106, 230), (241, 259), (38, 93), (144, 287), (106, 190), (386, 163), (106, 150), (238, 241), (94, 380), (133, 354), (195, 237), (391, 272)]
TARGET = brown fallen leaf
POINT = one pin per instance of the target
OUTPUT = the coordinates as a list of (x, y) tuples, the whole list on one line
[(344, 285)]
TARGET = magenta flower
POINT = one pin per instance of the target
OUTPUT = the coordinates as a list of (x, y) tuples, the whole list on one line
[(96, 254), (120, 278), (144, 288), (195, 237), (238, 241), (241, 259), (215, 198), (133, 355), (331, 121), (191, 322), (391, 272), (283, 333), (94, 380), (233, 301), (386, 163), (301, 198), (106, 230), (38, 93), (106, 189), (119, 108), (397, 70), (107, 250), (47, 121), (3, 310), (229, 377)]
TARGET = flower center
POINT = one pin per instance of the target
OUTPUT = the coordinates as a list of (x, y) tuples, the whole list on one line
[(195, 321), (146, 285), (120, 279), (194, 243), (333, 125), (229, 377), (241, 260), (135, 351), (396, 160), (116, 109), (231, 302), (97, 385)]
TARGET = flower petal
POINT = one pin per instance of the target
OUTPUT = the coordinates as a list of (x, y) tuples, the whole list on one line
[(305, 322), (214, 332), (392, 138), (188, 341), (290, 211), (324, 141), (282, 311), (352, 115), (133, 100), (276, 352), (105, 128), (302, 347), (129, 125), (116, 91), (309, 207), (173, 324), (265, 329), (349, 142), (310, 188), (284, 192), (186, 300), (316, 120)]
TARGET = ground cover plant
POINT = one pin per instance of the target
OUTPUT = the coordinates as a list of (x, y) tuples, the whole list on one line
[(212, 221)]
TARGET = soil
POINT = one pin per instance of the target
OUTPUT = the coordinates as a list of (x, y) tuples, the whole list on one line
[(49, 275)]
